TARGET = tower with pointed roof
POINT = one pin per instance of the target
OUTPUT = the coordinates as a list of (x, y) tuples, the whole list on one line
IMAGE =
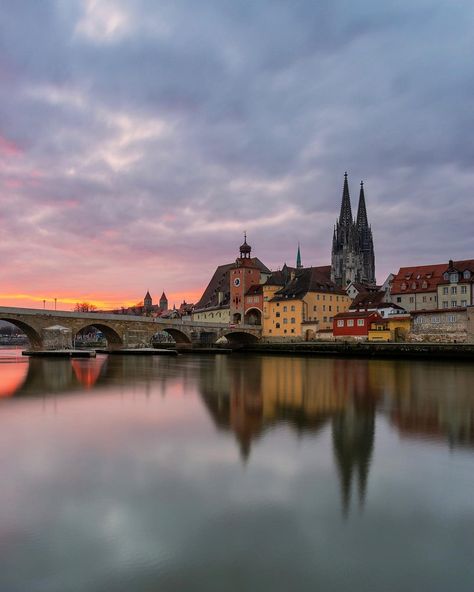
[(163, 303), (299, 265), (353, 258), (147, 302)]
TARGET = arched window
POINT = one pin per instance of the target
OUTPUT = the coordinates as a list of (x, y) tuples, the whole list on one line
[(277, 325)]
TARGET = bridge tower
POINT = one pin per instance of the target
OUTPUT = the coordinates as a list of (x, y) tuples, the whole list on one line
[(244, 274)]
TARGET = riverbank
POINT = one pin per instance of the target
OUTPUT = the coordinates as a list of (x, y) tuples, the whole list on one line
[(368, 349)]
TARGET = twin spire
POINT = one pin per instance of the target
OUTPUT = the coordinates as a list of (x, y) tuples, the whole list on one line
[(345, 217)]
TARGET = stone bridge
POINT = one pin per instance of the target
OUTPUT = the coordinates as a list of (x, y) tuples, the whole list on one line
[(50, 329)]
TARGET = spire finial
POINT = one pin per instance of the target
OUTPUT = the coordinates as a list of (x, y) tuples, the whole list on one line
[(362, 183), (345, 175)]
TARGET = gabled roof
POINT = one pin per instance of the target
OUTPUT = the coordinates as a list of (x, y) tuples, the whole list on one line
[(309, 279), (254, 290), (357, 314), (220, 283), (367, 299), (418, 279)]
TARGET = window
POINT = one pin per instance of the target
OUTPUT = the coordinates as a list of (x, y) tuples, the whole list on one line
[(324, 307), (399, 298), (292, 330), (413, 286), (424, 285), (463, 289), (435, 320), (404, 286), (412, 299), (451, 318), (340, 323), (277, 314), (292, 308), (285, 308), (454, 290), (324, 297), (277, 326), (467, 274), (314, 308), (418, 320), (278, 304), (325, 319), (330, 308), (453, 277), (454, 303), (463, 302), (446, 275), (284, 331), (446, 290), (293, 320), (350, 322), (424, 298), (285, 321), (445, 304), (360, 322)]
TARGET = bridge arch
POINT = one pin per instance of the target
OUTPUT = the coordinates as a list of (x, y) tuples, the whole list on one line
[(240, 338), (112, 336), (176, 334), (33, 335)]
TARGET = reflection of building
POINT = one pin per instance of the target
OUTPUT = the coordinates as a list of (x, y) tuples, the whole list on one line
[(304, 393)]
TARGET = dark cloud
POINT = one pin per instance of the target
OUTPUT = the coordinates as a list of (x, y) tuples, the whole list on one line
[(159, 131)]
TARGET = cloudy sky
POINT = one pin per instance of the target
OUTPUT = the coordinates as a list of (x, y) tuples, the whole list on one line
[(140, 138)]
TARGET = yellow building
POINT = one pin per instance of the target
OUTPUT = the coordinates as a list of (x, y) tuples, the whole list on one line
[(298, 303), (392, 328)]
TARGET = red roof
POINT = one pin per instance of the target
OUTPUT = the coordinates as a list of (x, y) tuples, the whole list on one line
[(418, 279), (360, 314)]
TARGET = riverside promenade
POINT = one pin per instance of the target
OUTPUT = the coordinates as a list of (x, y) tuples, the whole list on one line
[(368, 349)]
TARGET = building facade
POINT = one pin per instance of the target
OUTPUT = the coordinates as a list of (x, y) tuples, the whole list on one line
[(457, 285), (353, 257), (298, 303)]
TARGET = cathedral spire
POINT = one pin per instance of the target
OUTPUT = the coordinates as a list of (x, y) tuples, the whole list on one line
[(362, 221), (345, 217), (298, 258)]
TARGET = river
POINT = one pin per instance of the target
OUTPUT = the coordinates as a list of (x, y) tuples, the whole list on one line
[(236, 473)]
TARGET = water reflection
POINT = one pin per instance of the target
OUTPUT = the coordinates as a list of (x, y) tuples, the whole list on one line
[(172, 473)]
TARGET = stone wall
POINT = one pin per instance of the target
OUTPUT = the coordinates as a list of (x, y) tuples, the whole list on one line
[(439, 327)]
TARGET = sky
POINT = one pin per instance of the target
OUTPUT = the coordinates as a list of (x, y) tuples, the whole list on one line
[(139, 139)]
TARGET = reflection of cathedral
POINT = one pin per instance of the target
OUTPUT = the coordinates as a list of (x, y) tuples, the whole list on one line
[(305, 394)]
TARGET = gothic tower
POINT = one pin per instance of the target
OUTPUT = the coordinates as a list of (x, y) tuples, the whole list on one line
[(353, 258)]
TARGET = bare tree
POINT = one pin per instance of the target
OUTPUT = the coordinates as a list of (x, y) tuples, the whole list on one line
[(85, 307)]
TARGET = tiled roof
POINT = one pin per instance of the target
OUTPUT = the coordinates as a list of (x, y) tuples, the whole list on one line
[(220, 282), (418, 279), (366, 299), (309, 279), (460, 267), (254, 290)]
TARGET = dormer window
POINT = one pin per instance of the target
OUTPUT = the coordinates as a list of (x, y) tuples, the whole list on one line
[(467, 274), (453, 277), (418, 276), (446, 276), (424, 285), (408, 276), (413, 286), (404, 286)]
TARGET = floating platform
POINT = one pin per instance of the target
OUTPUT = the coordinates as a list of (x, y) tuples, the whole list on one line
[(142, 351), (60, 353)]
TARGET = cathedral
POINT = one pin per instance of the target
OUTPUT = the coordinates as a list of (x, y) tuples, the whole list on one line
[(353, 258)]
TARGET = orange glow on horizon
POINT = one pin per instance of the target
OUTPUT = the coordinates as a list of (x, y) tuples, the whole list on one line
[(101, 301)]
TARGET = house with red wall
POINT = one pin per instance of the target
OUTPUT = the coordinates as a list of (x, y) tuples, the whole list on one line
[(354, 323)]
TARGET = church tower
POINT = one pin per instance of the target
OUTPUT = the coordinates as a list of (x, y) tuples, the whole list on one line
[(353, 258), (163, 303), (147, 302)]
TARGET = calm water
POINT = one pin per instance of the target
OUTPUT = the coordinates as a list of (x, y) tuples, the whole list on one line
[(236, 474)]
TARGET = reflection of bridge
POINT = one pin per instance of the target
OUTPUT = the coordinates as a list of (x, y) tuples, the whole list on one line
[(120, 330)]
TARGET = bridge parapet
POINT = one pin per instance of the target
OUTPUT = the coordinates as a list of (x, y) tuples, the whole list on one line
[(120, 330)]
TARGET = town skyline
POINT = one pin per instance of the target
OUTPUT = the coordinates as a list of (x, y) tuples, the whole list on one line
[(137, 144)]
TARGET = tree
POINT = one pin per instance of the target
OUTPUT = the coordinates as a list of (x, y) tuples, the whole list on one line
[(85, 307)]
